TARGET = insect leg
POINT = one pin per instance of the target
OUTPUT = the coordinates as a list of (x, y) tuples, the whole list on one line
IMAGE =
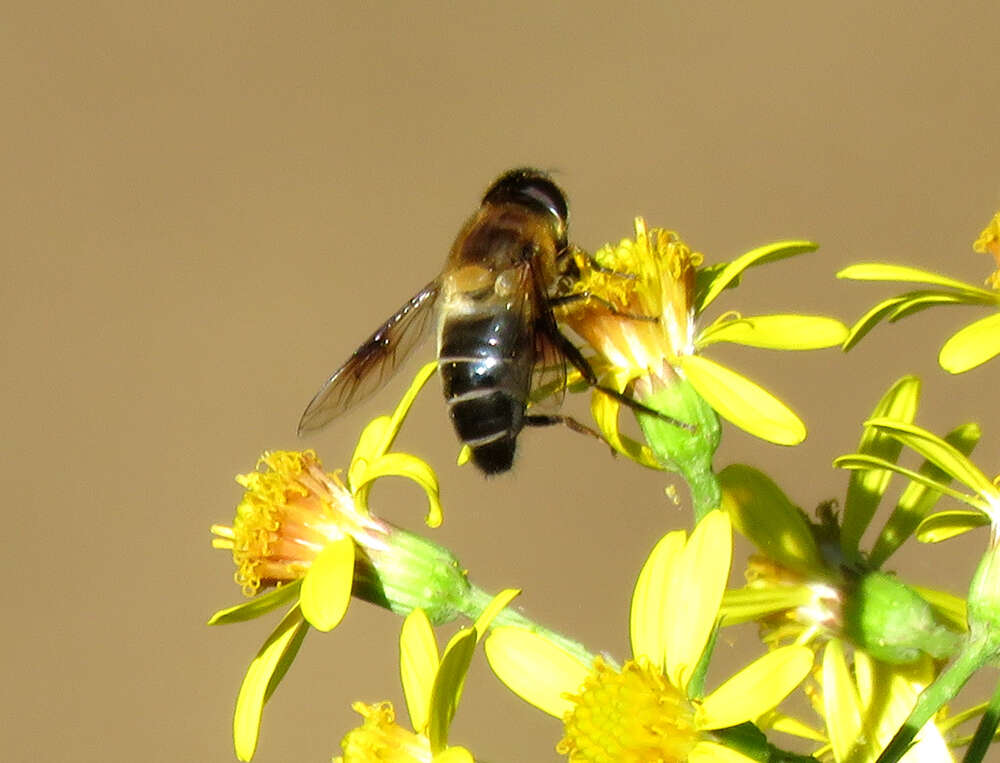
[(569, 299), (540, 420), (574, 356)]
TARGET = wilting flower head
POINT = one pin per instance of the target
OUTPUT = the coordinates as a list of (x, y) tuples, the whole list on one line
[(652, 708)]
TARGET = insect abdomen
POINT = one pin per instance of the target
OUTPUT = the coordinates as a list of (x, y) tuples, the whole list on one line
[(486, 363)]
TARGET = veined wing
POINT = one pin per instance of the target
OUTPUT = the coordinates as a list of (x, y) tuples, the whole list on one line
[(548, 382), (374, 362)]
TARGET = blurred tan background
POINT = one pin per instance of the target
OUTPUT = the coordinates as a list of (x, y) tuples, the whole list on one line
[(206, 207)]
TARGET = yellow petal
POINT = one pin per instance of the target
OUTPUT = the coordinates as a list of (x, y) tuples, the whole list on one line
[(535, 669), (257, 606), (841, 705), (694, 593), (881, 271), (605, 410), (948, 524), (942, 454), (776, 332), (411, 467), (745, 404), (418, 664), (326, 588), (453, 755), (748, 604), (262, 677), (648, 616), (762, 254), (866, 488), (448, 684), (972, 345), (756, 689), (494, 608)]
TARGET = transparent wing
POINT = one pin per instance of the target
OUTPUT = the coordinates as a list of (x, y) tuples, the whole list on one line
[(374, 362), (548, 381)]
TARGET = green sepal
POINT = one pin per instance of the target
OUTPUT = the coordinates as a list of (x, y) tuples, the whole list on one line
[(891, 622)]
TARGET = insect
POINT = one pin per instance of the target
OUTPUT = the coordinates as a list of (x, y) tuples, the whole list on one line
[(497, 336)]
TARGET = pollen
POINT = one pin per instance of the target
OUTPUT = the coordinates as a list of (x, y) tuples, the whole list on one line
[(290, 511), (637, 306), (381, 738), (632, 716), (989, 242)]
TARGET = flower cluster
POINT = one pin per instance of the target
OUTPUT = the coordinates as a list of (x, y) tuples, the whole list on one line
[(877, 659)]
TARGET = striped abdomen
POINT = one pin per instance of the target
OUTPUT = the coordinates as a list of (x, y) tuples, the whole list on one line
[(486, 362)]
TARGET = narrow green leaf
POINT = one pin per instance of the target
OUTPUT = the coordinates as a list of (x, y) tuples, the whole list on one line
[(971, 346), (775, 332), (745, 404), (326, 588), (730, 272), (262, 678), (947, 524), (257, 606), (865, 489)]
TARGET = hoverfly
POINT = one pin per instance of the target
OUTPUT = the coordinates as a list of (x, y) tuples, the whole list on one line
[(496, 330)]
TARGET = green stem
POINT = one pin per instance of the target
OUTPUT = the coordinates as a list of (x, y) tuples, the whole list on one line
[(934, 697), (478, 599), (706, 493), (987, 727)]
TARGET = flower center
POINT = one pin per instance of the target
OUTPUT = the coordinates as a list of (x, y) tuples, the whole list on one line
[(381, 738), (632, 716)]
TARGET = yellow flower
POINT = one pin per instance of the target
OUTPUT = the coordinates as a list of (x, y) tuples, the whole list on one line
[(637, 304), (864, 707), (651, 709), (989, 242), (290, 513), (811, 581), (432, 686), (311, 535)]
